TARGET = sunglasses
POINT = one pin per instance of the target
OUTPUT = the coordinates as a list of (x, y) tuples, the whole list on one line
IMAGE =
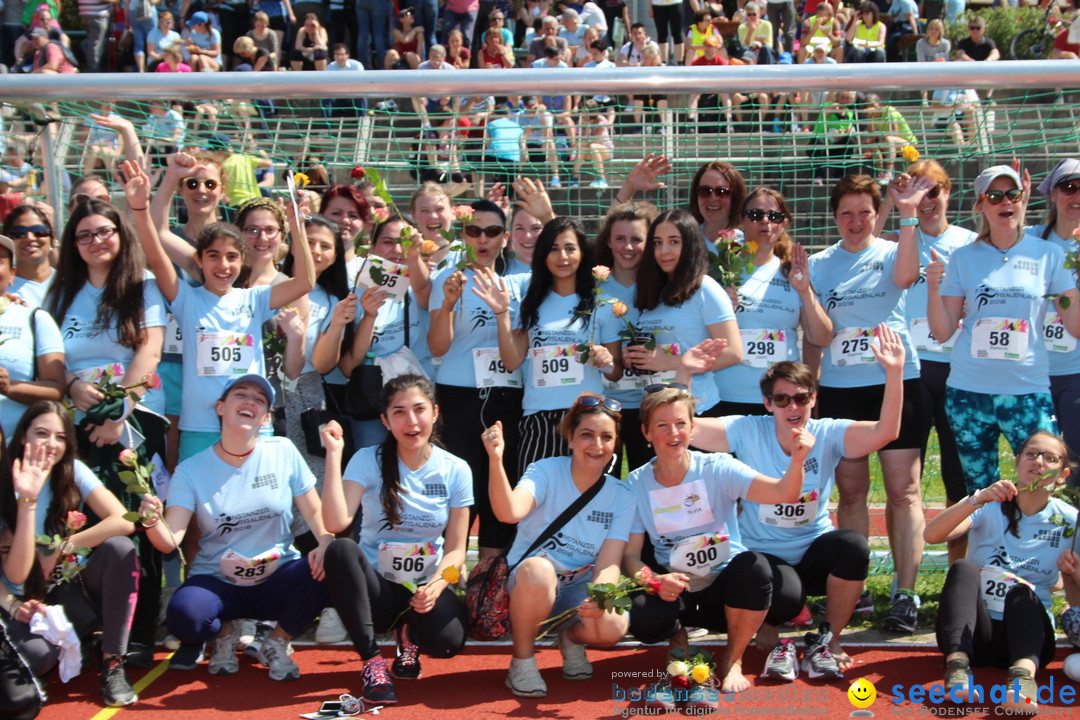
[(707, 190), (1069, 187), (492, 231), (757, 214), (996, 197), (975, 27), (102, 233), (192, 183), (751, 14), (18, 232), (934, 191), (597, 400), (782, 400), (1049, 457), (650, 389)]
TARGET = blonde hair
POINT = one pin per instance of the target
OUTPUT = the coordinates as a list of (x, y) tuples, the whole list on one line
[(243, 45), (262, 16), (428, 188)]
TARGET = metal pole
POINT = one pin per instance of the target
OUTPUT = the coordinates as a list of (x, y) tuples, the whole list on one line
[(52, 172)]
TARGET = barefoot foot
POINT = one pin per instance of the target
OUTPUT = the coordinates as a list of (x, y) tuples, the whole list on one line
[(734, 681), (843, 660), (767, 637)]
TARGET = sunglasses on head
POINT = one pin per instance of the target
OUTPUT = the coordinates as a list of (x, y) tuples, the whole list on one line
[(597, 400), (18, 232), (782, 400), (1069, 187), (650, 389), (996, 197), (757, 214), (192, 183), (492, 231), (707, 190)]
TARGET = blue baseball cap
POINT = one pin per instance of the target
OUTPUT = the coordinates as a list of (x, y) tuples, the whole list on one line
[(197, 18), (255, 379)]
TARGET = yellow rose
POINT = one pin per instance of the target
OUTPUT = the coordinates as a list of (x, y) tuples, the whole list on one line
[(910, 153), (451, 574), (677, 668), (700, 673), (619, 309)]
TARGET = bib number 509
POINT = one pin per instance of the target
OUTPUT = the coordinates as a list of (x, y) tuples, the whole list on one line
[(555, 365)]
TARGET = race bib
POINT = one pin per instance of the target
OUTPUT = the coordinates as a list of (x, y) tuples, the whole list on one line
[(762, 348), (924, 340), (173, 337), (242, 570), (701, 555), (402, 562), (685, 505), (224, 353), (790, 515), (556, 366), (999, 339), (380, 273), (564, 575), (113, 372), (490, 371), (1056, 337), (996, 583), (851, 346)]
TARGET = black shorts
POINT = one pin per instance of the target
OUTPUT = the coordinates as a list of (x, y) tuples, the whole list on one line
[(864, 403)]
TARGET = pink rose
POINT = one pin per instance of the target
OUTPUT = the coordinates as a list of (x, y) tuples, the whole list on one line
[(75, 520), (128, 457), (380, 214), (619, 309), (153, 381), (464, 213), (601, 272)]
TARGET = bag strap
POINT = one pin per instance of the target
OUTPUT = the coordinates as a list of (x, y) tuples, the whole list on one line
[(571, 510), (33, 343), (406, 319)]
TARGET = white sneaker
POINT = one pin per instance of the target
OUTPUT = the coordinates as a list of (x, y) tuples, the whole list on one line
[(274, 654), (247, 631), (575, 663), (330, 629), (223, 661), (524, 679)]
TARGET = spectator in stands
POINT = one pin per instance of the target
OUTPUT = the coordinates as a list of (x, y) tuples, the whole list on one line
[(549, 27), (650, 58), (264, 37), (461, 14), (538, 123), (713, 55), (343, 107), (456, 53), (50, 57), (425, 106), (581, 56), (977, 46), (560, 107), (594, 141), (140, 27), (756, 35), (667, 18), (573, 32), (866, 35), (95, 15), (373, 31), (700, 29), (43, 18), (598, 58), (824, 29), (615, 10), (408, 50), (957, 112), (889, 132), (1063, 48), (202, 44), (631, 53), (250, 58), (495, 52), (504, 148), (782, 13), (905, 21), (525, 19), (279, 13), (311, 45), (497, 24), (834, 138), (933, 46), (161, 37), (172, 60), (164, 131), (341, 22)]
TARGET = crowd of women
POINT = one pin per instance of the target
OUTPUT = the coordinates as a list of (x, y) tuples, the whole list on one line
[(489, 364)]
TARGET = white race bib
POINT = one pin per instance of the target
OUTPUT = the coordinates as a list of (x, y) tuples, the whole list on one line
[(113, 372), (999, 338), (556, 366), (701, 555), (224, 353), (789, 515), (924, 340), (763, 348), (685, 505), (995, 585), (402, 562), (242, 570), (1056, 337), (851, 346), (391, 277), (490, 371), (564, 575), (173, 337)]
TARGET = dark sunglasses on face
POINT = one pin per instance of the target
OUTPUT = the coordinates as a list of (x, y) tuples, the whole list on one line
[(192, 183), (707, 190), (757, 214), (596, 400), (933, 192), (996, 197), (975, 27), (492, 231), (782, 400), (18, 232), (650, 389), (1069, 187)]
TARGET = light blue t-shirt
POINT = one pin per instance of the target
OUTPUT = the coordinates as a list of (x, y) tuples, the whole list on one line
[(1063, 353), (247, 509), (519, 267), (573, 548), (768, 317), (681, 327), (786, 530), (915, 302), (19, 350), (858, 292), (628, 389), (1032, 556), (85, 482), (88, 346), (233, 320), (474, 326), (505, 137), (427, 494), (702, 505), (322, 306), (1011, 293), (389, 333), (900, 9), (32, 293), (554, 334)]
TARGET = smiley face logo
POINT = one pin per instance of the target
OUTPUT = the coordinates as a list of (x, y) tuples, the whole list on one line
[(862, 693)]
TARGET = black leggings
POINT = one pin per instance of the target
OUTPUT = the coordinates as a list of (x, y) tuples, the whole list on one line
[(844, 554), (964, 624), (745, 584), (932, 381), (369, 603), (668, 21)]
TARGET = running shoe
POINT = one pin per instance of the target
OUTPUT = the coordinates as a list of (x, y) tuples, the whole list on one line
[(865, 604), (782, 663), (524, 679), (186, 657), (704, 698), (575, 663), (378, 687), (274, 654), (958, 672), (223, 660), (818, 661), (406, 665), (330, 629), (1021, 693), (116, 691), (904, 613)]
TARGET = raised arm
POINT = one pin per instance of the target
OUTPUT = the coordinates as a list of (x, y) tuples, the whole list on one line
[(907, 199), (303, 279), (816, 324), (327, 351), (943, 313), (441, 319), (339, 501), (864, 437), (768, 490), (28, 475), (510, 505), (955, 520), (513, 344), (137, 190), (643, 176), (175, 249)]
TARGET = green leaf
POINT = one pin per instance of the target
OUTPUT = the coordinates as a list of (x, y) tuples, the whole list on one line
[(1064, 302), (377, 274), (380, 185), (82, 551), (42, 539), (411, 587), (131, 516), (447, 235), (127, 476)]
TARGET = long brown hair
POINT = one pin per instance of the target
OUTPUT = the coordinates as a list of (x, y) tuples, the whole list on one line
[(782, 248)]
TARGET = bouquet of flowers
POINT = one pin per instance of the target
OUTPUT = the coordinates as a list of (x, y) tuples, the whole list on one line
[(729, 259), (693, 667), (610, 597)]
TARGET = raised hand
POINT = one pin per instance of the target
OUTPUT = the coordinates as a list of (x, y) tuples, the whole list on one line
[(800, 269), (1000, 491), (802, 442), (136, 185), (935, 271), (494, 442), (907, 196), (333, 437), (492, 289), (372, 299), (453, 286), (533, 199), (889, 349), (30, 473), (644, 175)]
